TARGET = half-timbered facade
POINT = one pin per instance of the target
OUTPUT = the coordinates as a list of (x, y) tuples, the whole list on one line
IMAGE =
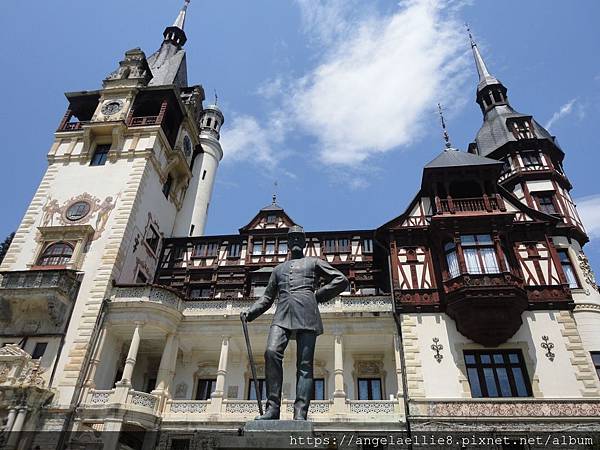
[(475, 309)]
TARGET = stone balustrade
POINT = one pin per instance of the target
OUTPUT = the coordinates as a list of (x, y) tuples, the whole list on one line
[(233, 306), (242, 410)]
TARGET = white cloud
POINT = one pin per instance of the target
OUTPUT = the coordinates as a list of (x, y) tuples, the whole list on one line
[(589, 210), (374, 86), (564, 110), (325, 20), (247, 140), (380, 80)]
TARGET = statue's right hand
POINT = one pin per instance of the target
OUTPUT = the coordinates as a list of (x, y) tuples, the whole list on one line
[(244, 316)]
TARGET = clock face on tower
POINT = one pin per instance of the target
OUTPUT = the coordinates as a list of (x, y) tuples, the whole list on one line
[(112, 107)]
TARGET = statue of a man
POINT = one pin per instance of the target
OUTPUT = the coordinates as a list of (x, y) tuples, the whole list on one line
[(296, 282)]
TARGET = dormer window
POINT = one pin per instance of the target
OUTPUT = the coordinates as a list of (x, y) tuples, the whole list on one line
[(521, 128)]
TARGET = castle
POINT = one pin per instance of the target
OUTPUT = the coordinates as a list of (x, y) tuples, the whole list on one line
[(474, 308)]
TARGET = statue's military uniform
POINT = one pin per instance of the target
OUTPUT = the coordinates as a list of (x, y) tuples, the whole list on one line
[(296, 284)]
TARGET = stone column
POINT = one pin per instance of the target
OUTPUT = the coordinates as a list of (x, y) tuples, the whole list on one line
[(339, 395), (398, 361), (110, 434), (10, 419), (90, 382), (131, 356), (217, 396), (15, 433), (164, 369)]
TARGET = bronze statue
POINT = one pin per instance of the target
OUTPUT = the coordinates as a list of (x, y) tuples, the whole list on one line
[(296, 282)]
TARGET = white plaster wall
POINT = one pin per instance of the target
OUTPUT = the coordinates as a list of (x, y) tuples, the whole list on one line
[(441, 380), (540, 185), (153, 204)]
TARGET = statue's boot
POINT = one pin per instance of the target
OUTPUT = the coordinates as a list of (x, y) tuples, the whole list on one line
[(270, 414)]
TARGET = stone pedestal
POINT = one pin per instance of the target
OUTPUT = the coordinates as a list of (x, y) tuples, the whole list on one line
[(272, 434)]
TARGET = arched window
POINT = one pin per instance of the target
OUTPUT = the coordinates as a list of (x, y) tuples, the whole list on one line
[(57, 254)]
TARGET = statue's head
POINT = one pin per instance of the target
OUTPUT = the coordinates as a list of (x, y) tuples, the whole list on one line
[(296, 239)]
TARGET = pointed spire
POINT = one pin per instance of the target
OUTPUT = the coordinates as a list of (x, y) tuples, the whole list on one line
[(444, 130), (479, 62), (485, 78), (180, 21), (490, 91)]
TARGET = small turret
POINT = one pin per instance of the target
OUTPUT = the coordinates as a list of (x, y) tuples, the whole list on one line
[(211, 121)]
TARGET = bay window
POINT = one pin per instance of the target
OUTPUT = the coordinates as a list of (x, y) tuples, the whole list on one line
[(479, 253), (480, 256), (452, 259)]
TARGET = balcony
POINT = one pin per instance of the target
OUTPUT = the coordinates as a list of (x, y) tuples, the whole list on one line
[(59, 284), (487, 308), (71, 126), (469, 205), (144, 121), (49, 292)]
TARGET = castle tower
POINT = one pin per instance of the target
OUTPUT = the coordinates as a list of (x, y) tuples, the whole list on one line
[(124, 161), (533, 172), (191, 220)]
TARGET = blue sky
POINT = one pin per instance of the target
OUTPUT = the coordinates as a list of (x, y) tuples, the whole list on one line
[(335, 100)]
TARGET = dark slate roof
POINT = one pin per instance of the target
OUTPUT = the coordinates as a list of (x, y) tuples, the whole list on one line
[(272, 207), (494, 133), (454, 158), (168, 66)]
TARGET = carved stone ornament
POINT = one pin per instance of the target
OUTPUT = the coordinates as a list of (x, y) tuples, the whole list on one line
[(437, 347), (25, 371), (548, 346), (53, 211), (369, 367), (181, 391), (586, 269)]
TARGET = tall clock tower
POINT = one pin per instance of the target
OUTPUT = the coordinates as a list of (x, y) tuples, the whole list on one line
[(128, 161)]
